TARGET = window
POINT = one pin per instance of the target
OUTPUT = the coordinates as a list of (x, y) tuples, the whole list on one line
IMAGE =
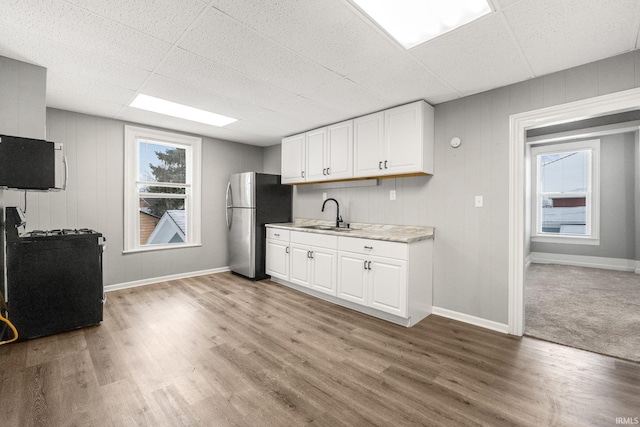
[(565, 179), (161, 190)]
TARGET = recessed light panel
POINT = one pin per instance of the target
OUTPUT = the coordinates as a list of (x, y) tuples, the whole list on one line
[(162, 106), (412, 22)]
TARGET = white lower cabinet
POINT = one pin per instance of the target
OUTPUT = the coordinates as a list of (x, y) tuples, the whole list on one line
[(314, 261), (374, 281), (277, 253), (372, 276)]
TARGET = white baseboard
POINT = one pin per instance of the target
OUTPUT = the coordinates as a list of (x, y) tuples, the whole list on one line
[(472, 320), (151, 280), (527, 261), (618, 264)]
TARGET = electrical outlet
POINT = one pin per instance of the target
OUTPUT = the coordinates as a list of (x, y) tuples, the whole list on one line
[(324, 195), (479, 201), (392, 194)]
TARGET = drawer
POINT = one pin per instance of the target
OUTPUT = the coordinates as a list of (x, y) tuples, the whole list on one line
[(315, 239), (373, 247), (277, 234)]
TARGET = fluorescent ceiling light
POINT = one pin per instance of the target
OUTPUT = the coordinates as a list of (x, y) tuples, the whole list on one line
[(412, 22), (162, 106)]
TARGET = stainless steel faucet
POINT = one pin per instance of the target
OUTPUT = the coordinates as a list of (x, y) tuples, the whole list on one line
[(338, 217)]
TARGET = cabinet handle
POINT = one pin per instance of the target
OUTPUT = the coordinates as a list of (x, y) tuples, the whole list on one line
[(328, 173), (385, 164), (368, 247), (286, 250), (365, 265), (369, 265), (324, 171), (303, 174), (276, 234), (380, 165), (311, 254)]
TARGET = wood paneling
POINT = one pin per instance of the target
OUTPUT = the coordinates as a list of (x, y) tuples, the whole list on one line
[(220, 350)]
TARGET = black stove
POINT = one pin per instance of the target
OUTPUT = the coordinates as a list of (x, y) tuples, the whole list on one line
[(59, 232)]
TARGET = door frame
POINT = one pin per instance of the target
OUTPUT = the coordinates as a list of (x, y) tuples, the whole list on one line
[(519, 151)]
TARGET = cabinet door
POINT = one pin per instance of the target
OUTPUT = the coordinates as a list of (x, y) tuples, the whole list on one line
[(324, 270), (316, 155), (388, 285), (300, 270), (340, 150), (277, 259), (352, 277), (293, 159), (403, 139), (368, 142)]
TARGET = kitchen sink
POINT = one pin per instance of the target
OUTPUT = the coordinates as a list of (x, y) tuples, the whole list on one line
[(325, 227)]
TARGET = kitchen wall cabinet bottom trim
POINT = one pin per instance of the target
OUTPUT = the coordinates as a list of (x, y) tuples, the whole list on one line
[(411, 321)]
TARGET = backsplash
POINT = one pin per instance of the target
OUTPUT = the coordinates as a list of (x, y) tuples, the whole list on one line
[(369, 204)]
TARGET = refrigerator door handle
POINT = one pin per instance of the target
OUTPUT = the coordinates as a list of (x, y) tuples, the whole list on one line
[(229, 206)]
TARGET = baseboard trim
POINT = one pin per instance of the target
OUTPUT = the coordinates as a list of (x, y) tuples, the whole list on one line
[(152, 280), (472, 320), (618, 264)]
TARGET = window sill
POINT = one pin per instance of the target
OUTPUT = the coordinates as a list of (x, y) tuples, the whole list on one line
[(161, 248), (566, 240)]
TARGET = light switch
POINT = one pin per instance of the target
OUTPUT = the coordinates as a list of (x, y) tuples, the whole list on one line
[(479, 201), (392, 194)]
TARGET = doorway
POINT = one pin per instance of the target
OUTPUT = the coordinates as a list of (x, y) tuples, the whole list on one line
[(519, 193)]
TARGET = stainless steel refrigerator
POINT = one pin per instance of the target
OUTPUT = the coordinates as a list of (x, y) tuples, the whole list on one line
[(253, 200)]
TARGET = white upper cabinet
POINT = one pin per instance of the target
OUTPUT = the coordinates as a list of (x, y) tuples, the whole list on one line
[(294, 159), (316, 155), (368, 135), (398, 141), (339, 155)]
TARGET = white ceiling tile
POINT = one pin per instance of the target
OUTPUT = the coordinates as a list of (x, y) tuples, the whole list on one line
[(70, 25), (67, 59), (81, 104), (314, 113), (476, 57), (88, 88), (401, 79), (329, 32), (556, 35), (164, 19), (347, 96), (287, 124), (197, 97), (225, 41), (199, 71)]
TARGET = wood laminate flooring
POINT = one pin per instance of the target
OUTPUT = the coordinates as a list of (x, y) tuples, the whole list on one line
[(219, 350)]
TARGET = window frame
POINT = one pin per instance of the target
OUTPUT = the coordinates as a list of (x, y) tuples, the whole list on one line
[(193, 192), (592, 193)]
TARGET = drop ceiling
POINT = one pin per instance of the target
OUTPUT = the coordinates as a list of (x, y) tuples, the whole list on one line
[(287, 66)]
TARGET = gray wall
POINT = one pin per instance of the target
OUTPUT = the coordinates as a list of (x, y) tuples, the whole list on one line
[(617, 203), (271, 162), (471, 244), (94, 197)]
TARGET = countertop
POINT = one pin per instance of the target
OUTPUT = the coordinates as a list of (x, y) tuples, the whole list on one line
[(390, 233)]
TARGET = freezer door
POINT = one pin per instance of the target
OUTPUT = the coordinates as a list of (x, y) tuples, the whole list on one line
[(242, 259), (242, 190)]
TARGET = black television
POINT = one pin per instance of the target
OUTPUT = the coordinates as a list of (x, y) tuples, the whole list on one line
[(26, 163)]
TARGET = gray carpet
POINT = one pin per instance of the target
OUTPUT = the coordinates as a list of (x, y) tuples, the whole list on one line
[(592, 309)]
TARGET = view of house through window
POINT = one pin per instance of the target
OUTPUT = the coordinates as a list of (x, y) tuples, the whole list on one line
[(566, 202), (162, 192), (161, 189)]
